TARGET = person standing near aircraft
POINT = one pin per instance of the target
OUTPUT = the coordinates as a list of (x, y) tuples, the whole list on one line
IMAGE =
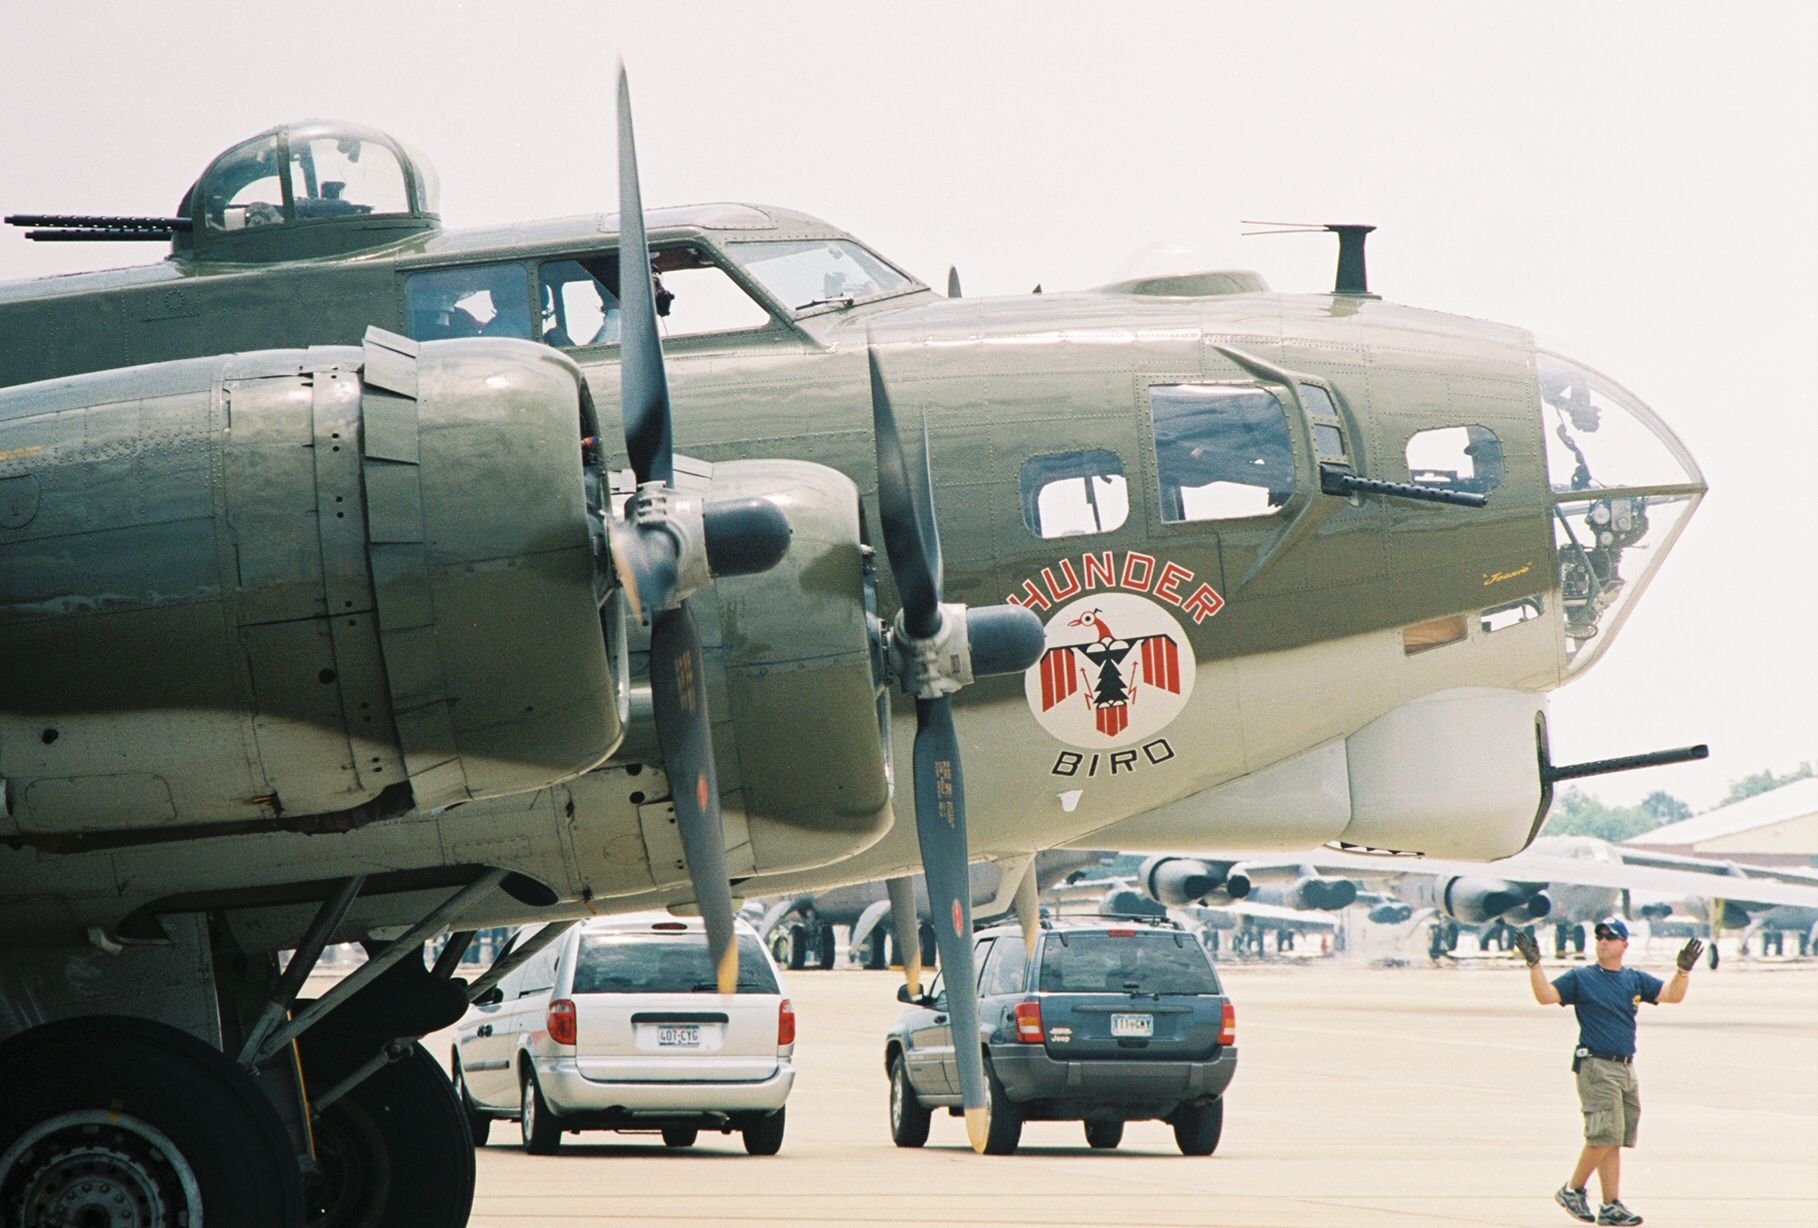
[(1605, 998)]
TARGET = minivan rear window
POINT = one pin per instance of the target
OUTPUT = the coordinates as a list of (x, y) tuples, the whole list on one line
[(1144, 962), (652, 963)]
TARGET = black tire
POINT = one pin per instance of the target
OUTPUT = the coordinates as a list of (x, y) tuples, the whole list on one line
[(1197, 1127), (877, 955), (478, 1124), (1104, 1135), (395, 1151), (680, 1136), (908, 1119), (823, 947), (1006, 1130), (119, 1075), (541, 1129), (931, 953), (764, 1137), (798, 947)]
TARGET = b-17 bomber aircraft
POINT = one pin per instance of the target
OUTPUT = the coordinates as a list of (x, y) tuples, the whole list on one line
[(331, 609)]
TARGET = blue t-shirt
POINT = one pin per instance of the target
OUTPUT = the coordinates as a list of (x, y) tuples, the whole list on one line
[(1605, 1002)]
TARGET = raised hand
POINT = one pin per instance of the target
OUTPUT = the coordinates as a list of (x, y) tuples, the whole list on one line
[(1689, 953), (1530, 950)]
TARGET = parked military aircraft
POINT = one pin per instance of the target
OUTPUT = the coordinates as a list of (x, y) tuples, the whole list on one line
[(371, 640)]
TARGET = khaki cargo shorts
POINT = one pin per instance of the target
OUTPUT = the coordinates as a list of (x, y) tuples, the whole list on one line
[(1611, 1099)]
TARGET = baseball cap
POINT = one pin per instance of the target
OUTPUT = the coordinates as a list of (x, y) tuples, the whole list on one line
[(1612, 927)]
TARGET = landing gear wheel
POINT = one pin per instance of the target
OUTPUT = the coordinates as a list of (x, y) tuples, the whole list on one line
[(877, 956), (764, 1137), (798, 947), (90, 1132), (1197, 1127), (394, 1152), (1006, 1118), (908, 1119), (931, 954), (541, 1130), (1104, 1135), (1713, 955), (823, 947), (680, 1136), (478, 1124)]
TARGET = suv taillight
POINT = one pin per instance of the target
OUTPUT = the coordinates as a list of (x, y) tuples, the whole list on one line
[(560, 1021), (1029, 1022), (785, 1023), (1227, 1034)]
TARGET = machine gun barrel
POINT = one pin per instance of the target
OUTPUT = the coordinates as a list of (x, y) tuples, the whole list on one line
[(1603, 767), (1337, 481)]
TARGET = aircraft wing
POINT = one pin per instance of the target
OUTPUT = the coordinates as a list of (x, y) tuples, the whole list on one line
[(1542, 868), (1276, 916)]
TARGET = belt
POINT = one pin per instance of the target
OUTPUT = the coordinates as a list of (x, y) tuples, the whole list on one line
[(1625, 1058)]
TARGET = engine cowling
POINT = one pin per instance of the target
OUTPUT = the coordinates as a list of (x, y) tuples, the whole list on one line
[(1321, 894), (297, 583), (1177, 881), (1476, 901)]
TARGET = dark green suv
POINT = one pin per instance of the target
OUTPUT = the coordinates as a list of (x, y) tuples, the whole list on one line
[(1112, 1021)]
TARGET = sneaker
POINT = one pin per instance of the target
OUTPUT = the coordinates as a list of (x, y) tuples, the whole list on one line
[(1616, 1213), (1575, 1203)]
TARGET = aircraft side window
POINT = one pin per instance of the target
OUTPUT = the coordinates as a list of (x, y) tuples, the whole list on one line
[(479, 300), (694, 297), (1074, 494), (1460, 457), (1514, 613), (1004, 970), (1222, 451)]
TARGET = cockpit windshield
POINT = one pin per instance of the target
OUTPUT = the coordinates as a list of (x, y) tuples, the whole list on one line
[(809, 273), (1623, 489)]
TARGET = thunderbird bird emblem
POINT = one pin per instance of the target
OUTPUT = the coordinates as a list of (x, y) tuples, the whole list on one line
[(1117, 668)]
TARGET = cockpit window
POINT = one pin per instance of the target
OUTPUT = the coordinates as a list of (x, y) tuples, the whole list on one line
[(1599, 436), (1222, 451), (580, 300), (335, 175), (1465, 458), (244, 188), (804, 274)]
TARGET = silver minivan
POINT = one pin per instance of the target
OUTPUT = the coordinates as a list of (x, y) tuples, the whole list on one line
[(618, 1025)]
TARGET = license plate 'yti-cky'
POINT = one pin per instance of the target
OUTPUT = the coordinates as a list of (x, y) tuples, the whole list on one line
[(1132, 1025), (679, 1036)]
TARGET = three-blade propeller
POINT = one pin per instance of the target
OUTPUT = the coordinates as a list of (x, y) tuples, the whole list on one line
[(670, 545), (936, 649)]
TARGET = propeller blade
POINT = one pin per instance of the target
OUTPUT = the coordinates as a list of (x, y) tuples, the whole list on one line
[(684, 731), (940, 821), (908, 929), (1028, 909), (910, 537), (644, 387)]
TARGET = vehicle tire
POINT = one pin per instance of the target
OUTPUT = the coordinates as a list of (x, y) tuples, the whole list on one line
[(1104, 1135), (908, 1119), (395, 1151), (93, 1096), (1198, 1126), (798, 947), (764, 1137), (680, 1136), (540, 1128), (823, 947), (478, 1124), (1006, 1117)]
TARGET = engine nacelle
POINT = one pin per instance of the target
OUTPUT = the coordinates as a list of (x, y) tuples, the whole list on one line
[(1391, 912), (1475, 901), (1177, 881), (1127, 903), (1321, 894), (298, 583)]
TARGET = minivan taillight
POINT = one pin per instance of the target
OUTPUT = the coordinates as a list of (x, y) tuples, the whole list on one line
[(785, 1024), (1029, 1022), (560, 1021), (1227, 1034)]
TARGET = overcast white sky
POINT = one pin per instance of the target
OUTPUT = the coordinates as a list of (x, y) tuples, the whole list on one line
[(1637, 182)]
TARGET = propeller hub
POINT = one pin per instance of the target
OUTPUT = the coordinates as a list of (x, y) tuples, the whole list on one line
[(936, 665)]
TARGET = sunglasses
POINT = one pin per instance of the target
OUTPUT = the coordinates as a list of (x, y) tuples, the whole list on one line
[(1609, 936)]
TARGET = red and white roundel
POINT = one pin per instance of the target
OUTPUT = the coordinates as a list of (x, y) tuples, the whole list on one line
[(1117, 669)]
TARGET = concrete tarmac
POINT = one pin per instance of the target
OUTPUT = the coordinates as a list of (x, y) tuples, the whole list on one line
[(1364, 1097)]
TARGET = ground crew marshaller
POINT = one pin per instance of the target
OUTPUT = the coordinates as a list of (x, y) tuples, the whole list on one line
[(1605, 998)]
